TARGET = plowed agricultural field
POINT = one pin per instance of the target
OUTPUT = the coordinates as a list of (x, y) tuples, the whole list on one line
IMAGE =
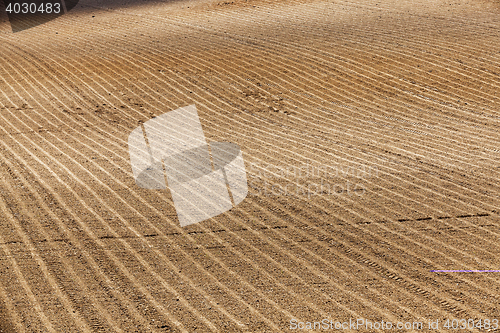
[(370, 132)]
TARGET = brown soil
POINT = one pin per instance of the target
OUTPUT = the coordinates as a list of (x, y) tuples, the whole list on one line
[(408, 90)]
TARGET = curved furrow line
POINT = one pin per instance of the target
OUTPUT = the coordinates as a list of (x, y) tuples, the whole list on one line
[(159, 232), (113, 257), (71, 310), (313, 9), (65, 263), (435, 149), (315, 217), (48, 275), (110, 285), (278, 42), (137, 212), (101, 244), (11, 312), (258, 268), (462, 199), (324, 262), (405, 201), (485, 236), (212, 300), (124, 202), (441, 240), (356, 239), (94, 91), (450, 307), (116, 214), (447, 130), (63, 114), (450, 18), (34, 303)]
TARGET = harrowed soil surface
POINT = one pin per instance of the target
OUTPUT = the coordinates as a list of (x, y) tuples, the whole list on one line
[(370, 132)]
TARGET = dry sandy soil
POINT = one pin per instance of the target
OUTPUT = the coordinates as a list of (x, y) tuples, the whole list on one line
[(408, 91)]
